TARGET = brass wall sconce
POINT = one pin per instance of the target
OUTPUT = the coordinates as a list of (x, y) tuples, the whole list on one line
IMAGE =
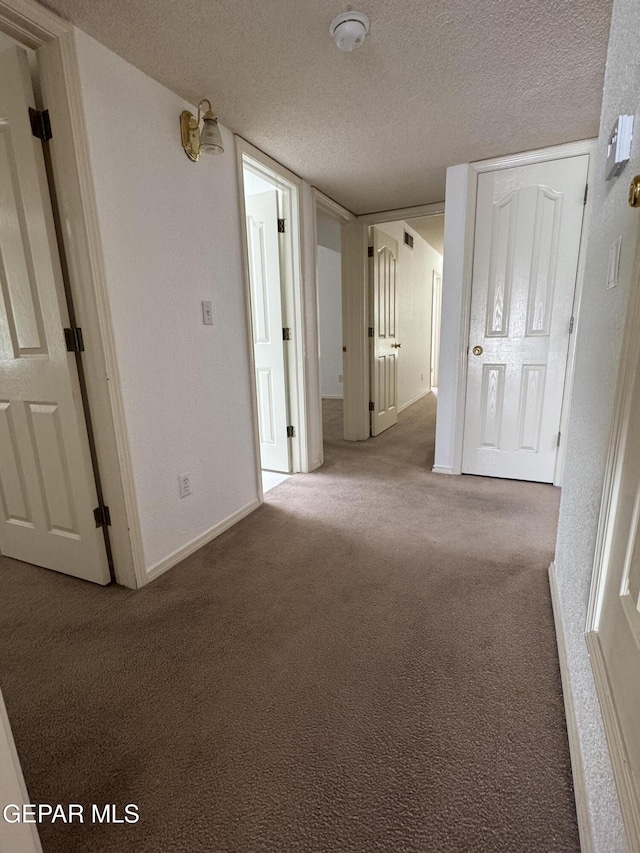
[(194, 140)]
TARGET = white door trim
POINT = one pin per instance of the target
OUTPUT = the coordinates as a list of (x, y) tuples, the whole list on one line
[(14, 837), (573, 149), (36, 27), (291, 187), (629, 806), (320, 201), (355, 302)]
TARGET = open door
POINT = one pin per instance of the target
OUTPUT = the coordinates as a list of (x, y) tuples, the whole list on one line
[(527, 242), (384, 346), (268, 345), (47, 486)]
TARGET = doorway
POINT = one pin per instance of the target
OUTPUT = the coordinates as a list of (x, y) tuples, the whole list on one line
[(329, 285), (272, 247), (405, 269)]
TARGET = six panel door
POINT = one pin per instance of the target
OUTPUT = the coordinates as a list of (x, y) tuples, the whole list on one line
[(384, 348)]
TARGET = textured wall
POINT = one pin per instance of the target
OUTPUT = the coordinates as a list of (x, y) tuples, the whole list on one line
[(598, 344), (415, 289), (171, 236)]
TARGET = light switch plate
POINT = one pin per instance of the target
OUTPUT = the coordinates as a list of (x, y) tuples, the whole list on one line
[(207, 314)]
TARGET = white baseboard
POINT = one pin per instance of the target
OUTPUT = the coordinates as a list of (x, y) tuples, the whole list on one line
[(179, 555), (579, 787), (332, 396), (442, 469), (415, 400), (628, 795)]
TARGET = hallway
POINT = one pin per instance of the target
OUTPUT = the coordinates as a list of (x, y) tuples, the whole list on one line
[(366, 663)]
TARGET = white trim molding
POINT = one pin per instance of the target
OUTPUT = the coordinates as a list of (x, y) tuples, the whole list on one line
[(191, 547), (577, 769)]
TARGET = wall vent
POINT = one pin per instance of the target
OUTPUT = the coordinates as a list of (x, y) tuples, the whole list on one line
[(408, 240)]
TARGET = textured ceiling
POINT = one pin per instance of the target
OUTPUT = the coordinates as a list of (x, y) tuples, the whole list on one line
[(431, 229), (437, 82)]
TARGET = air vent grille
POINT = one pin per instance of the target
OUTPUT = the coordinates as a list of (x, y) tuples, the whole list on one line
[(408, 240)]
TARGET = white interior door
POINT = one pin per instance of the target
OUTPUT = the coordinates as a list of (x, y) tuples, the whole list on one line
[(618, 602), (384, 345), (527, 241), (436, 312), (268, 345), (47, 489)]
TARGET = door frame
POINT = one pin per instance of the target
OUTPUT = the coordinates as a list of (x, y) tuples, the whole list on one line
[(35, 27), (459, 239), (322, 202), (289, 188), (629, 364), (355, 301)]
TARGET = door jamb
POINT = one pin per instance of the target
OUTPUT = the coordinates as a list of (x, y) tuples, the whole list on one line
[(355, 301), (290, 190), (344, 217), (542, 155), (36, 27)]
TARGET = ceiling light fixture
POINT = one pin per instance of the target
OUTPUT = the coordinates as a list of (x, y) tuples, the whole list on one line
[(194, 140), (349, 30)]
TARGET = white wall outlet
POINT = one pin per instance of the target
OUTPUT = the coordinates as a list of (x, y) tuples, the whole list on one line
[(184, 481), (340, 377), (207, 314)]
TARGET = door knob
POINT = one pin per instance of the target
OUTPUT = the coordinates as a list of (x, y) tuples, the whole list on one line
[(634, 192), (396, 346), (477, 350)]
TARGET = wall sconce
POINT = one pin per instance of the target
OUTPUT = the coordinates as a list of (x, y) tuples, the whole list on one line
[(195, 140)]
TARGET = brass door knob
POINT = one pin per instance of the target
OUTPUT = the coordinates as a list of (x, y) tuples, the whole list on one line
[(396, 346), (634, 192), (477, 350)]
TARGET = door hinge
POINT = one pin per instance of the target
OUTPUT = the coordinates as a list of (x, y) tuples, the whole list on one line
[(558, 444), (102, 516), (571, 326), (281, 226), (370, 252), (370, 331), (286, 334), (586, 193), (74, 339), (372, 406), (291, 432), (40, 124)]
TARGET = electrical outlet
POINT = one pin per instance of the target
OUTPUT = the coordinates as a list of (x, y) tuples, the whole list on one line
[(340, 377), (184, 481)]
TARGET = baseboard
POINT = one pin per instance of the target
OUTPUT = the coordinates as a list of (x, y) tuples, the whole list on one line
[(442, 469), (579, 786), (628, 796), (333, 397), (188, 549), (415, 400)]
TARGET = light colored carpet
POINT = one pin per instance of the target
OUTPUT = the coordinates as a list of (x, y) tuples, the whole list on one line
[(367, 663)]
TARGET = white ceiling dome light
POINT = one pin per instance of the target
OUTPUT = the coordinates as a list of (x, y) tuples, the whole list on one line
[(349, 30)]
